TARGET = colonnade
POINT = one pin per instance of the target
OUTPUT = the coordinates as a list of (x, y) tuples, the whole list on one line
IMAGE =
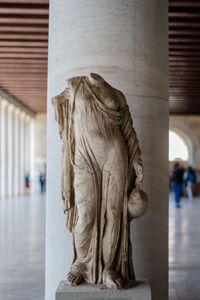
[(15, 148)]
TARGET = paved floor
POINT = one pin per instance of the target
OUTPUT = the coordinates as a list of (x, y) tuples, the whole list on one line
[(22, 226), (184, 250)]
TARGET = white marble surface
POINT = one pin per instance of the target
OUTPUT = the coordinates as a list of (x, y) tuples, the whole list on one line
[(184, 253), (22, 248)]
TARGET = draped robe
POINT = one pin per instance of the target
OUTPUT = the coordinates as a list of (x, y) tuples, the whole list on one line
[(88, 186)]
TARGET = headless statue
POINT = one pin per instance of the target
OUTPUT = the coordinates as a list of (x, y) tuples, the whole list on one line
[(101, 179)]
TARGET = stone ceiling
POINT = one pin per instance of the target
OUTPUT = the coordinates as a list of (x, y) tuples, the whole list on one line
[(184, 56), (23, 51), (24, 48)]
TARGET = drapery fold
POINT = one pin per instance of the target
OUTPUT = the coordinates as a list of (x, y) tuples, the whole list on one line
[(63, 107)]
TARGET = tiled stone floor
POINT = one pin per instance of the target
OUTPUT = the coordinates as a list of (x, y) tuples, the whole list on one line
[(184, 250), (22, 232)]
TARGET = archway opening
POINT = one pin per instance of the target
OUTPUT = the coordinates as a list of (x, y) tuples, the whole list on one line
[(178, 150)]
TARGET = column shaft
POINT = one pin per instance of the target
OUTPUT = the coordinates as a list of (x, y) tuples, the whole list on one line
[(21, 153), (121, 41), (3, 149), (16, 153), (10, 151)]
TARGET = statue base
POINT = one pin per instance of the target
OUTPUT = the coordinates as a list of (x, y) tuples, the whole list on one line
[(141, 291)]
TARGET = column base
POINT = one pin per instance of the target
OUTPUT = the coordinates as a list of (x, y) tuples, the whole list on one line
[(141, 291)]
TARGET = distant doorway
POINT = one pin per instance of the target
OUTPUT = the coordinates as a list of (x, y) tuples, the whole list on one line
[(178, 149)]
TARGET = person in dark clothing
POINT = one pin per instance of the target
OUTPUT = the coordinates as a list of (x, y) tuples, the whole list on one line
[(190, 180), (42, 180), (177, 183)]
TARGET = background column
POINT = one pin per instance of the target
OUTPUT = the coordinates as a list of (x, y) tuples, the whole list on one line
[(126, 42), (3, 148), (6, 147), (16, 152), (10, 151), (21, 154)]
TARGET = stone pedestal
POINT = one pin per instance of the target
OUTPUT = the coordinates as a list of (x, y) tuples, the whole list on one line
[(95, 292)]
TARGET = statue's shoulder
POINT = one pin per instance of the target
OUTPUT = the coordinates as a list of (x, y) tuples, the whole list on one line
[(72, 83), (62, 97), (65, 95), (121, 98)]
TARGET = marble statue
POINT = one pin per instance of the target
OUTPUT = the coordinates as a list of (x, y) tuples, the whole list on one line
[(101, 180)]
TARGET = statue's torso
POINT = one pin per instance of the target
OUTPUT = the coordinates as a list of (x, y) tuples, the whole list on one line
[(93, 127)]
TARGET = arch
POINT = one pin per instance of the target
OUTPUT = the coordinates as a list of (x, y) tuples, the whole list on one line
[(188, 136), (178, 148)]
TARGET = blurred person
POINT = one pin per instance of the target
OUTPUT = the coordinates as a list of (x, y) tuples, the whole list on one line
[(177, 183), (42, 180), (190, 180), (27, 183)]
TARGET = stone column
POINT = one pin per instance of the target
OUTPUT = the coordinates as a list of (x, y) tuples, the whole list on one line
[(3, 149), (34, 181), (6, 145), (10, 151), (16, 152), (1, 146), (126, 42), (21, 153), (26, 146)]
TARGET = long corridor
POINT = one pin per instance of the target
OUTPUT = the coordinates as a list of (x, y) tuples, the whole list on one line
[(22, 248), (184, 250)]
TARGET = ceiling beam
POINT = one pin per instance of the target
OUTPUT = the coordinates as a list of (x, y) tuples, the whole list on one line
[(184, 40), (34, 82), (183, 32), (186, 4), (174, 46), (182, 75), (184, 64), (20, 72), (22, 79), (184, 83), (23, 55), (24, 11), (183, 24), (184, 59), (37, 44), (12, 20), (20, 36), (23, 61), (183, 15), (184, 72), (185, 94), (23, 50), (25, 2), (22, 28), (183, 67), (190, 52), (22, 66), (28, 91), (183, 98)]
